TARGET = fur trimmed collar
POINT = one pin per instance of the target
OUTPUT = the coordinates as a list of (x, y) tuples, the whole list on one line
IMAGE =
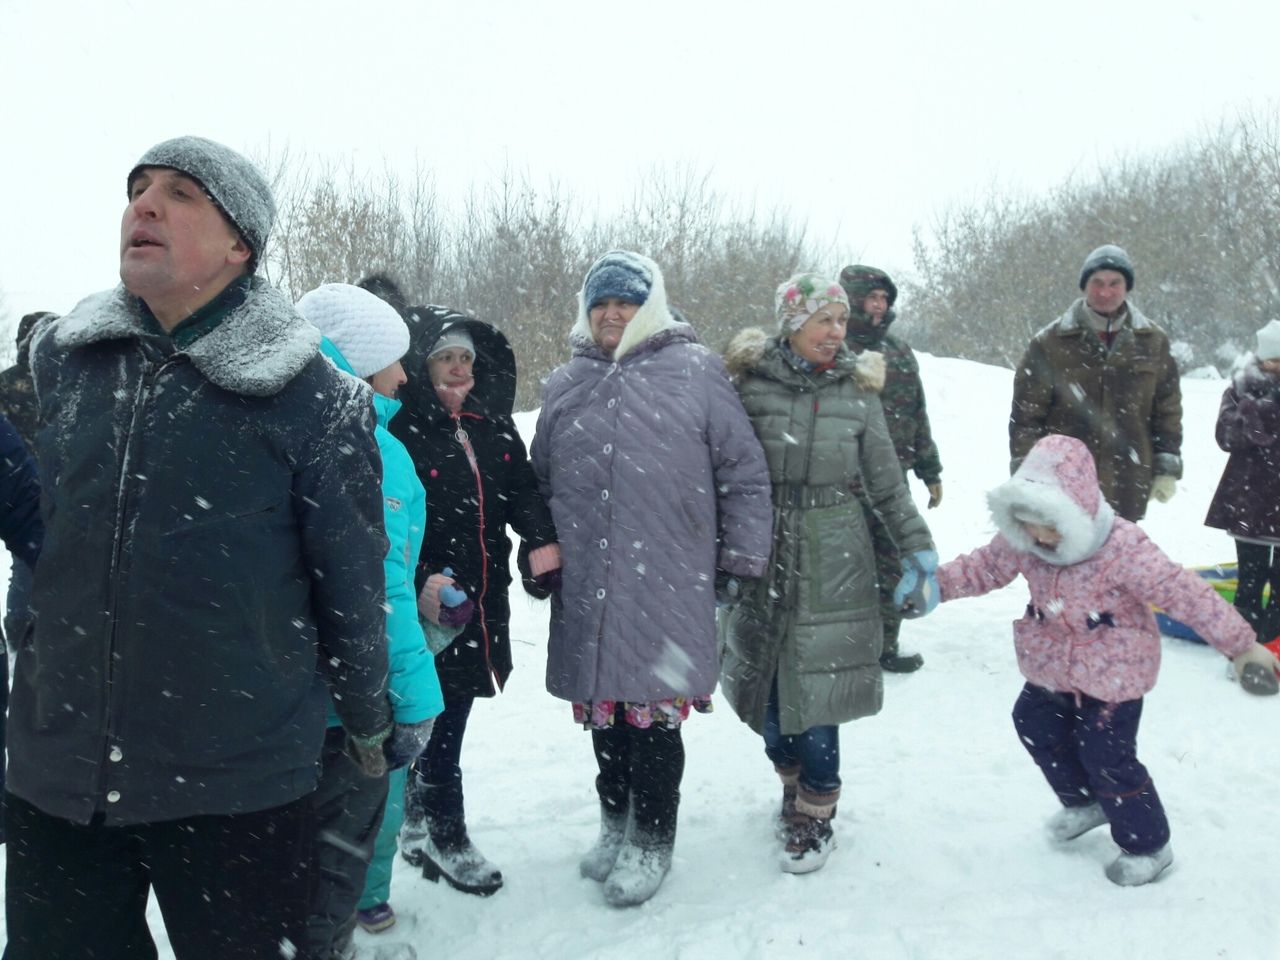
[(754, 348), (1075, 320), (255, 351), (653, 317), (1056, 484)]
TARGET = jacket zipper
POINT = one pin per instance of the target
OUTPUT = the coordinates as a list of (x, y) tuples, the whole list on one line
[(808, 457), (460, 434), (124, 487)]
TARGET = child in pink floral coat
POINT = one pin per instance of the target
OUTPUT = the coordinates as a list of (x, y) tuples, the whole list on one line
[(1088, 643)]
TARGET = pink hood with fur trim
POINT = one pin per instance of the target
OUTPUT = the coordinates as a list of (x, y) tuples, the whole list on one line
[(1089, 627)]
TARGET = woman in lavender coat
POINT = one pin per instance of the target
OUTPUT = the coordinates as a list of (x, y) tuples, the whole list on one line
[(660, 495)]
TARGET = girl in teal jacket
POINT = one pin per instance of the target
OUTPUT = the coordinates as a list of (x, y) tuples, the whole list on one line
[(365, 337)]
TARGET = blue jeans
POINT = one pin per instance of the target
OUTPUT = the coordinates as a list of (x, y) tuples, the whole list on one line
[(817, 750)]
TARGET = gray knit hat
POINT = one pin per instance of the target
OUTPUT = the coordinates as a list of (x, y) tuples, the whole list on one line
[(232, 182), (1107, 257)]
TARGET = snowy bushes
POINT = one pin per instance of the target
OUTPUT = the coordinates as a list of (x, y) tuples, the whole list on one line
[(1202, 225), (514, 254)]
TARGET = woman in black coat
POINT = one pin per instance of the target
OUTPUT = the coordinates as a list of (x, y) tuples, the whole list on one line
[(456, 424), (1247, 501)]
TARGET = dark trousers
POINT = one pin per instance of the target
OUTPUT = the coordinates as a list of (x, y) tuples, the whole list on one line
[(816, 751), (435, 779), (17, 621), (1258, 564), (641, 770), (348, 812), (1089, 753), (229, 887)]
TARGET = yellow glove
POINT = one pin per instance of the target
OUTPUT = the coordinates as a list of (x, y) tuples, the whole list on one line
[(935, 494), (1163, 487)]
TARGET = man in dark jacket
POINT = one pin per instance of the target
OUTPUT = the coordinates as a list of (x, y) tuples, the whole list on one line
[(1103, 373), (212, 567), (872, 294)]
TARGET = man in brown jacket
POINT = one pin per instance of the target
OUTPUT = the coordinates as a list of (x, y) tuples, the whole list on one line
[(1102, 372)]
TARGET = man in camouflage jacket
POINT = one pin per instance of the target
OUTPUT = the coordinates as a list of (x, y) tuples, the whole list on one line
[(872, 294)]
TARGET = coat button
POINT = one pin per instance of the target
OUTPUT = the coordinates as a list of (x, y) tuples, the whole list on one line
[(115, 755), (600, 594), (113, 796), (608, 448), (604, 543), (613, 402), (604, 494)]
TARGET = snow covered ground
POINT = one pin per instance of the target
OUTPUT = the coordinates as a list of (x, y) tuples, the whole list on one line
[(941, 853)]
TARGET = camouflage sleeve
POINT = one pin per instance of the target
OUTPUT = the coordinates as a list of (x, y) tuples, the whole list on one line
[(925, 459)]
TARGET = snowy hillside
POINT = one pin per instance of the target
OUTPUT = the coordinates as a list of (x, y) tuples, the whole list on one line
[(941, 854)]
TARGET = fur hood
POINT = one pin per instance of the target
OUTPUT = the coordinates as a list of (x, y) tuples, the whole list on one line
[(1057, 483), (1248, 377), (654, 316), (748, 348), (255, 351)]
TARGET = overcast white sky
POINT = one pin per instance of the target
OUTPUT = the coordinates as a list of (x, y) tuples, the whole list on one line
[(860, 118)]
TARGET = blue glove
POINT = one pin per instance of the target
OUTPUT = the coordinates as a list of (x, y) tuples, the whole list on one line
[(451, 595), (917, 592)]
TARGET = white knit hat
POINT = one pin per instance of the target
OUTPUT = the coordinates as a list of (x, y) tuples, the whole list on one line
[(364, 327), (1269, 341)]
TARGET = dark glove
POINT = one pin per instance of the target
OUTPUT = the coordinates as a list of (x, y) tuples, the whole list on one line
[(458, 615), (406, 743), (917, 592), (540, 586), (549, 582), (366, 753), (728, 589)]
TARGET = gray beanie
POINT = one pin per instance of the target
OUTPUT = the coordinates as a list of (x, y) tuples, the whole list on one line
[(1107, 257), (235, 185), (454, 335)]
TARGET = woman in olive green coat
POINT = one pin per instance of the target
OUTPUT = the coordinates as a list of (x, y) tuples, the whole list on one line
[(801, 650)]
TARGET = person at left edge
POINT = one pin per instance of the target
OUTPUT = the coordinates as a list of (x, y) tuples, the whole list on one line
[(212, 568), (20, 529)]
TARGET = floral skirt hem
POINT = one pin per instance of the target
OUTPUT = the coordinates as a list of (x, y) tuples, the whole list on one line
[(603, 714)]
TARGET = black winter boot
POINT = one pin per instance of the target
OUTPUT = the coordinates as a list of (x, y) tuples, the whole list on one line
[(434, 837), (892, 659), (613, 755), (657, 767)]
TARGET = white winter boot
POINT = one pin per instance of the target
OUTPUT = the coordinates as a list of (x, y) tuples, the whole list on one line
[(1135, 869), (1071, 822), (642, 864), (597, 863)]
